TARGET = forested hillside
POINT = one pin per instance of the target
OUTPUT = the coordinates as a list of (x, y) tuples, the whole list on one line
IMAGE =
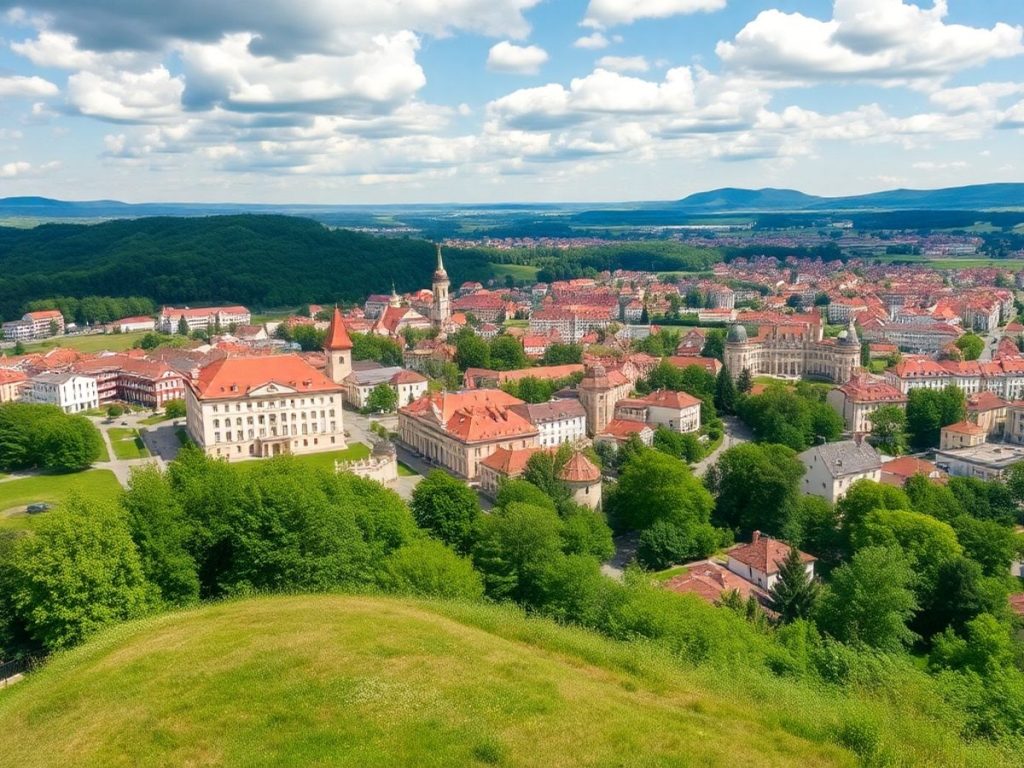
[(259, 261)]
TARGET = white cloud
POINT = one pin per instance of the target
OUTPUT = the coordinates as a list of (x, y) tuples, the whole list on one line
[(126, 96), (932, 165), (883, 40), (22, 168), (624, 63), (608, 13), (983, 96), (592, 42), (20, 85), (517, 59)]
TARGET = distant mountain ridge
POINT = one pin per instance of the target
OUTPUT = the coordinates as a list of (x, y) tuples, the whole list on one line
[(973, 197), (716, 201)]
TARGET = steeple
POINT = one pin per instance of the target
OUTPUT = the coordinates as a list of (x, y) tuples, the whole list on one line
[(338, 349), (851, 334), (396, 300), (441, 311), (440, 273)]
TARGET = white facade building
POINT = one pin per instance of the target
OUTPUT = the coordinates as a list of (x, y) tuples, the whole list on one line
[(831, 469), (557, 422), (68, 391)]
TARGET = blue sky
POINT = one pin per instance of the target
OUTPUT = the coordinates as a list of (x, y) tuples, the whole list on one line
[(342, 101)]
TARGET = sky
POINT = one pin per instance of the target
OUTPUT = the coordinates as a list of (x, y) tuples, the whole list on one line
[(404, 101)]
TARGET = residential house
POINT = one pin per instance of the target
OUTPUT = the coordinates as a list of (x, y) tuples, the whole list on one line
[(831, 468)]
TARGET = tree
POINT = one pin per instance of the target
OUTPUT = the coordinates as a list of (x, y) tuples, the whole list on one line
[(446, 508), (888, 428), (794, 594), (653, 486), (865, 354), (863, 498), (19, 348), (745, 382), (68, 444), (725, 391), (757, 487), (370, 346), (159, 529), (472, 352), (683, 445), (182, 326), (971, 345), (114, 411), (869, 600), (507, 353), (428, 568), (563, 354), (542, 470), (516, 545), (175, 409), (383, 398), (714, 344), (929, 410), (79, 572), (796, 419), (666, 542)]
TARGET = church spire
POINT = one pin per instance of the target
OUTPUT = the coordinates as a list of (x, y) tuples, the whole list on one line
[(440, 272)]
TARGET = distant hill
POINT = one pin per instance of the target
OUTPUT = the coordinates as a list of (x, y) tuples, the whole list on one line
[(260, 261), (373, 682), (975, 197)]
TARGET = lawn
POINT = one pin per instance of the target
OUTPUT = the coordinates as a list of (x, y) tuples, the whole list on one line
[(522, 272), (94, 483), (104, 453), (156, 418), (127, 443), (668, 573), (372, 682), (326, 460), (404, 470), (97, 342)]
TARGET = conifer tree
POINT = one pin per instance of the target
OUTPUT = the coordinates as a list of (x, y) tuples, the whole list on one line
[(725, 391), (794, 594), (745, 382)]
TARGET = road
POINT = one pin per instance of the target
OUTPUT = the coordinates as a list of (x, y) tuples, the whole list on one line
[(358, 428)]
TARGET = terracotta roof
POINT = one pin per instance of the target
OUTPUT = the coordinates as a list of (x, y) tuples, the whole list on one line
[(765, 553), (508, 462), (898, 471), (666, 398), (984, 401), (864, 389), (407, 377), (547, 372), (8, 376), (708, 580), (337, 335), (964, 428), (579, 469), (234, 377), (472, 415), (623, 428), (709, 364), (1017, 603), (44, 314)]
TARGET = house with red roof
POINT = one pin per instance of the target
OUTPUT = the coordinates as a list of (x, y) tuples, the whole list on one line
[(759, 561), (262, 406), (860, 397)]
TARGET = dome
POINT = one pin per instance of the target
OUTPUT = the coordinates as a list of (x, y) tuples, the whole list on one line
[(737, 332)]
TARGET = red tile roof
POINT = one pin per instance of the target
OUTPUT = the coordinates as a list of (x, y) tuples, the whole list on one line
[(964, 428), (579, 469), (765, 553), (234, 377), (666, 398), (508, 462), (709, 580), (337, 338)]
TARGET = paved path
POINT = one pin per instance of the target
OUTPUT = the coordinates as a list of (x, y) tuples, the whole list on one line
[(358, 428), (122, 468)]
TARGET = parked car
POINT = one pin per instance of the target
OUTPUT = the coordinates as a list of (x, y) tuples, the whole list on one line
[(39, 506), (124, 423)]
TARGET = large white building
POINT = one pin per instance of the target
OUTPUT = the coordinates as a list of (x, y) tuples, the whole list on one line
[(35, 325), (252, 407), (1003, 377), (203, 319), (559, 421), (68, 391)]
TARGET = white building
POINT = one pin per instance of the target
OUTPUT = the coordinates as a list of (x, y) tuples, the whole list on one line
[(758, 562), (831, 468), (203, 319), (68, 391), (560, 421), (988, 461), (676, 411), (249, 407), (35, 325), (408, 385)]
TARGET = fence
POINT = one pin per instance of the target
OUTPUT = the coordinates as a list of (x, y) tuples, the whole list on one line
[(10, 669)]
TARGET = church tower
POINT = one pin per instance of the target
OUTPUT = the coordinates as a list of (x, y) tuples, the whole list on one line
[(338, 349), (441, 312)]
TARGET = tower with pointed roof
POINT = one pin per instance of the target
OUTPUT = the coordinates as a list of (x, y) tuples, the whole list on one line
[(441, 311), (338, 349)]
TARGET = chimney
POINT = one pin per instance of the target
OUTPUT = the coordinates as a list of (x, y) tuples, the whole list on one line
[(756, 537)]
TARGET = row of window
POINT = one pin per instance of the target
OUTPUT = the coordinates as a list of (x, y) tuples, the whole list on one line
[(251, 434), (262, 404)]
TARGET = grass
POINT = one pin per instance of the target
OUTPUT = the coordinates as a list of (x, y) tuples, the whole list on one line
[(127, 443), (156, 418), (326, 460), (99, 342), (15, 494), (404, 470), (668, 573), (104, 453), (877, 366), (518, 271), (182, 435), (363, 681)]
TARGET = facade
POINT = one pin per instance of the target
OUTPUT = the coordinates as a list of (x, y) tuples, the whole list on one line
[(831, 469), (257, 407), (203, 319), (133, 324), (11, 384), (599, 391), (128, 379), (988, 411), (618, 432), (408, 385), (793, 350), (458, 430), (68, 391), (675, 411), (858, 398), (1003, 378), (35, 325), (557, 422), (963, 434), (758, 562)]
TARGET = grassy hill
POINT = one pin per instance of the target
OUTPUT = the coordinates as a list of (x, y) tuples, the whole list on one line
[(368, 681)]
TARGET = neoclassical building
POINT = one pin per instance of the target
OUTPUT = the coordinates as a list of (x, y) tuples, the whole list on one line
[(793, 350), (599, 391)]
